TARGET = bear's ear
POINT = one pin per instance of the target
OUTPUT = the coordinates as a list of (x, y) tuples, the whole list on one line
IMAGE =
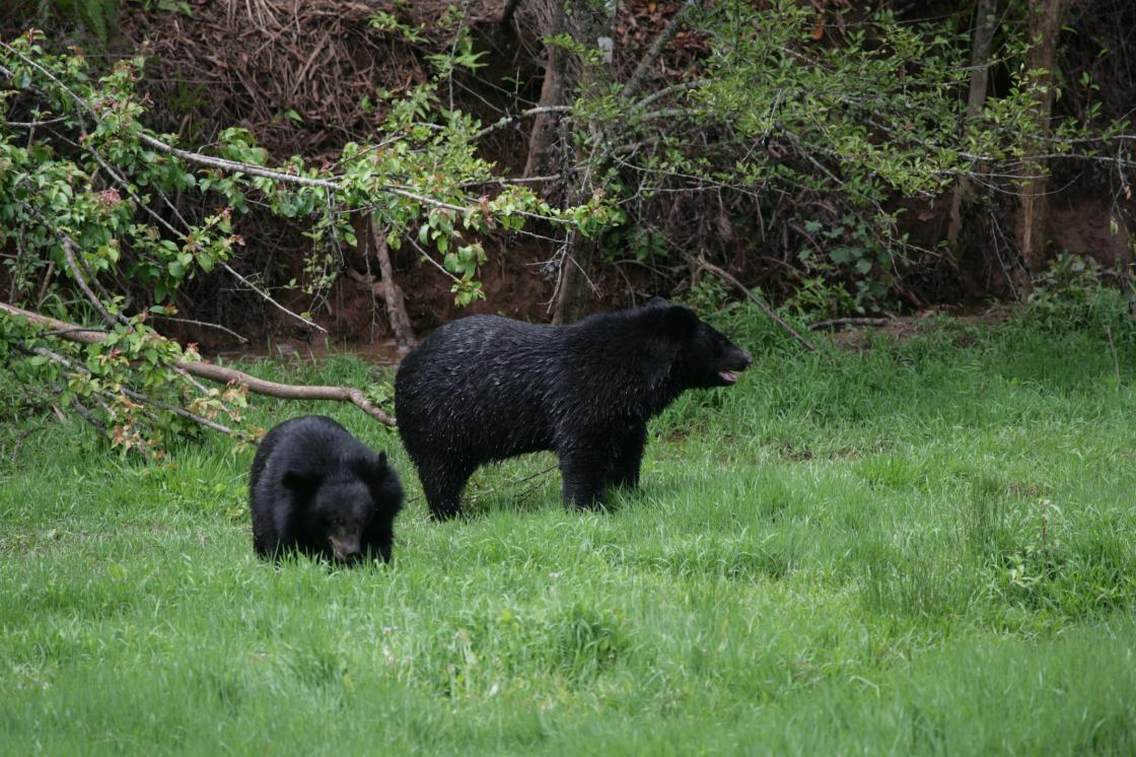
[(656, 302), (372, 469), (301, 483), (380, 468), (679, 323)]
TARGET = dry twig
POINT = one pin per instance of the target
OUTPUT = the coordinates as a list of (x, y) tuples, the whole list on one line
[(836, 323)]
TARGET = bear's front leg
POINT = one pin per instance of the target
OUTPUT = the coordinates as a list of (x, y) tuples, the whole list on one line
[(377, 541), (628, 457), (583, 467), (278, 538)]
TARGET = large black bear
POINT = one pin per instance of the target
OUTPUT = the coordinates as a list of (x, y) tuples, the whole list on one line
[(486, 388), (316, 489)]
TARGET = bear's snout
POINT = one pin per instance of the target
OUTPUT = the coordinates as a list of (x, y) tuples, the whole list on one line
[(345, 549), (736, 361)]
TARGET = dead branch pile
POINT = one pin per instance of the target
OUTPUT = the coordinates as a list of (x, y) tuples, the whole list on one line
[(305, 76)]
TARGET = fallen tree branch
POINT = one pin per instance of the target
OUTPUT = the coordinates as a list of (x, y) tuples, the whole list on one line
[(232, 166), (136, 396), (218, 373), (73, 267), (838, 322), (729, 279), (256, 385)]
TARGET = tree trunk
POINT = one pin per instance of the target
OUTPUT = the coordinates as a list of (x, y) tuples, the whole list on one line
[(373, 243), (565, 74), (1045, 20), (593, 28), (543, 134), (985, 22), (392, 293), (574, 289)]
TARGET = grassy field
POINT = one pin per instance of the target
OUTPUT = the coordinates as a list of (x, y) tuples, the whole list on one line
[(918, 547)]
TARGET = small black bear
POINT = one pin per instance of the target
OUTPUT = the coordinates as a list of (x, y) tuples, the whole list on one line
[(486, 388), (315, 488)]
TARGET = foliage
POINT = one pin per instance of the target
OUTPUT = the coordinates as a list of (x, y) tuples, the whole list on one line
[(96, 17), (1073, 295), (795, 140), (126, 385), (86, 204)]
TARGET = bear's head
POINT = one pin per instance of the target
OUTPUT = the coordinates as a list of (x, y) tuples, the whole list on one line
[(705, 357), (337, 508)]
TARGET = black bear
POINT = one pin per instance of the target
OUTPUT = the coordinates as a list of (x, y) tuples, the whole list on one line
[(485, 388), (316, 489)]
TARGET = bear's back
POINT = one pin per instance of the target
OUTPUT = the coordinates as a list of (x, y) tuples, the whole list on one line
[(480, 384), (312, 443), (479, 358)]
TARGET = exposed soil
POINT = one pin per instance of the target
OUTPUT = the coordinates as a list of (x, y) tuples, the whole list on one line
[(901, 328), (1084, 225)]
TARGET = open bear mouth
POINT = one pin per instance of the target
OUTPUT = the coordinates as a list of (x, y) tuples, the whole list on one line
[(728, 376)]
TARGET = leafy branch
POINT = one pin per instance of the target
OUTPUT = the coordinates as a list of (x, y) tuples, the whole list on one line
[(94, 204)]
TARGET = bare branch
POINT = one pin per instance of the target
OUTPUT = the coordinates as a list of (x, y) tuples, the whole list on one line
[(35, 124), (506, 120), (269, 299), (838, 322), (502, 181), (205, 324)]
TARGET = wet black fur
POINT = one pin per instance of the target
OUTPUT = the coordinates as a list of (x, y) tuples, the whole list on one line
[(486, 388), (311, 480)]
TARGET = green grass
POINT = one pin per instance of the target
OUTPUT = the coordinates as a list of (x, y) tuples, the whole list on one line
[(924, 547)]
